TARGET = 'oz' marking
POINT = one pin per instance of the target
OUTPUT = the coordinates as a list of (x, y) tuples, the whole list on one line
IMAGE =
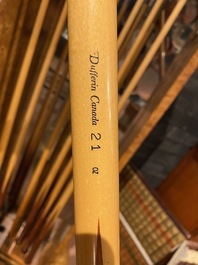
[(95, 170)]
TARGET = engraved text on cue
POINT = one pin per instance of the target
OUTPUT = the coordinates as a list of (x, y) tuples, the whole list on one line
[(95, 136)]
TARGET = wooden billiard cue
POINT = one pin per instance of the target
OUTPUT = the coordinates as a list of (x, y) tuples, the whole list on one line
[(122, 11), (34, 98), (46, 111), (50, 220), (40, 197), (21, 212), (125, 44), (42, 211), (147, 24), (162, 47), (32, 228), (49, 102), (129, 22), (14, 104), (53, 172), (41, 123), (137, 55), (13, 49), (149, 56), (93, 83)]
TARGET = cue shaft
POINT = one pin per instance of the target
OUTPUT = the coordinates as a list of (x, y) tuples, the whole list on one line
[(43, 117), (13, 50), (51, 218), (123, 48), (53, 172), (39, 168), (129, 22), (66, 194), (48, 105), (162, 47), (32, 220), (122, 11), (155, 46), (58, 186), (125, 65), (93, 84), (12, 111), (42, 235), (137, 54), (19, 143), (34, 142)]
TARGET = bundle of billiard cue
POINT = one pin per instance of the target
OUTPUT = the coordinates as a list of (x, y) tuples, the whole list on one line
[(40, 165)]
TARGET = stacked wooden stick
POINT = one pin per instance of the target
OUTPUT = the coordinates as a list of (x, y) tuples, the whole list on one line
[(44, 175)]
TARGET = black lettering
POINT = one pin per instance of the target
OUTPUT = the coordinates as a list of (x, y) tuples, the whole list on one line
[(95, 137), (94, 59)]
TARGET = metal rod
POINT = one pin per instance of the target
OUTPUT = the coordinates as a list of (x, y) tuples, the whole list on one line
[(94, 129), (155, 46)]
